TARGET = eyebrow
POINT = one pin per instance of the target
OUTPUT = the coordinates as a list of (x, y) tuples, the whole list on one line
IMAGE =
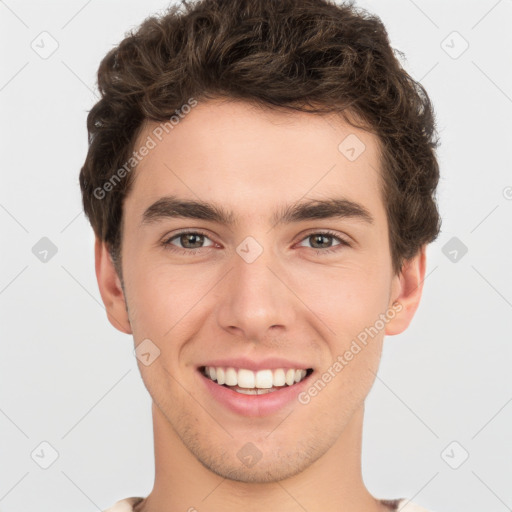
[(313, 209)]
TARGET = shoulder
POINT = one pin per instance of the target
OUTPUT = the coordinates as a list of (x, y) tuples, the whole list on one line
[(125, 505), (405, 505)]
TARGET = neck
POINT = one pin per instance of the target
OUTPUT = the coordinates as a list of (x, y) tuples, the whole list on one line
[(331, 483)]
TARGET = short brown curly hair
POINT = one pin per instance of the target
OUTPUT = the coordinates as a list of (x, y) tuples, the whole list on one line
[(303, 55)]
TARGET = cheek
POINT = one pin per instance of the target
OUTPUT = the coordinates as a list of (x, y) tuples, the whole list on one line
[(166, 307), (162, 294), (347, 299)]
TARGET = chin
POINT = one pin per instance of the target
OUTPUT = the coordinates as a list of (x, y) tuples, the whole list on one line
[(280, 468)]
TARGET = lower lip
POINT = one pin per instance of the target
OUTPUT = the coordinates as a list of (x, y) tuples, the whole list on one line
[(254, 405)]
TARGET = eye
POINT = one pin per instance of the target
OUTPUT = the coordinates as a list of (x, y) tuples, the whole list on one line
[(323, 241), (188, 240)]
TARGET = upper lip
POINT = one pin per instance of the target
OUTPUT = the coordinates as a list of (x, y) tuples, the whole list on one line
[(271, 363)]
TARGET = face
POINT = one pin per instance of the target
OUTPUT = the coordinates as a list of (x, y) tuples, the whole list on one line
[(282, 268)]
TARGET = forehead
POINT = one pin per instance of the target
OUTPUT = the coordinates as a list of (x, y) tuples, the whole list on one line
[(234, 153)]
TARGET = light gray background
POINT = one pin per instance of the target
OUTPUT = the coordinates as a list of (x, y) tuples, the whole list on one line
[(70, 379)]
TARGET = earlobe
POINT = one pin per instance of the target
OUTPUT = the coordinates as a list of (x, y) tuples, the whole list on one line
[(410, 287), (110, 289)]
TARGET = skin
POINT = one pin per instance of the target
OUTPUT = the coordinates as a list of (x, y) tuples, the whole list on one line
[(293, 301)]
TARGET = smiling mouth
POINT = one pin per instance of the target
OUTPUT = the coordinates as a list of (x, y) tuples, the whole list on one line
[(261, 382)]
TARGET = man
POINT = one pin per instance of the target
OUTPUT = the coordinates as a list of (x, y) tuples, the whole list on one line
[(261, 181)]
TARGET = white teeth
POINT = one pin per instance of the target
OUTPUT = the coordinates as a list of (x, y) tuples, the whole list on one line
[(260, 382), (245, 379), (290, 377), (231, 377), (253, 391), (299, 375), (247, 391), (279, 377), (221, 376), (264, 379)]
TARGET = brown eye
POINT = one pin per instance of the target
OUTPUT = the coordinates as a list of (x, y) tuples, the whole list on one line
[(323, 241), (187, 240), (320, 241), (192, 239)]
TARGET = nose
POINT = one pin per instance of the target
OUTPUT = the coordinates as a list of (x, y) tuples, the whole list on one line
[(255, 298)]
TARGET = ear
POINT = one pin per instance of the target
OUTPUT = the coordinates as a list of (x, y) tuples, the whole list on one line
[(407, 290), (110, 289)]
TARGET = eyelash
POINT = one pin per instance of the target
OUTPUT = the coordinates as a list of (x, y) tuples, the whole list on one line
[(191, 252)]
